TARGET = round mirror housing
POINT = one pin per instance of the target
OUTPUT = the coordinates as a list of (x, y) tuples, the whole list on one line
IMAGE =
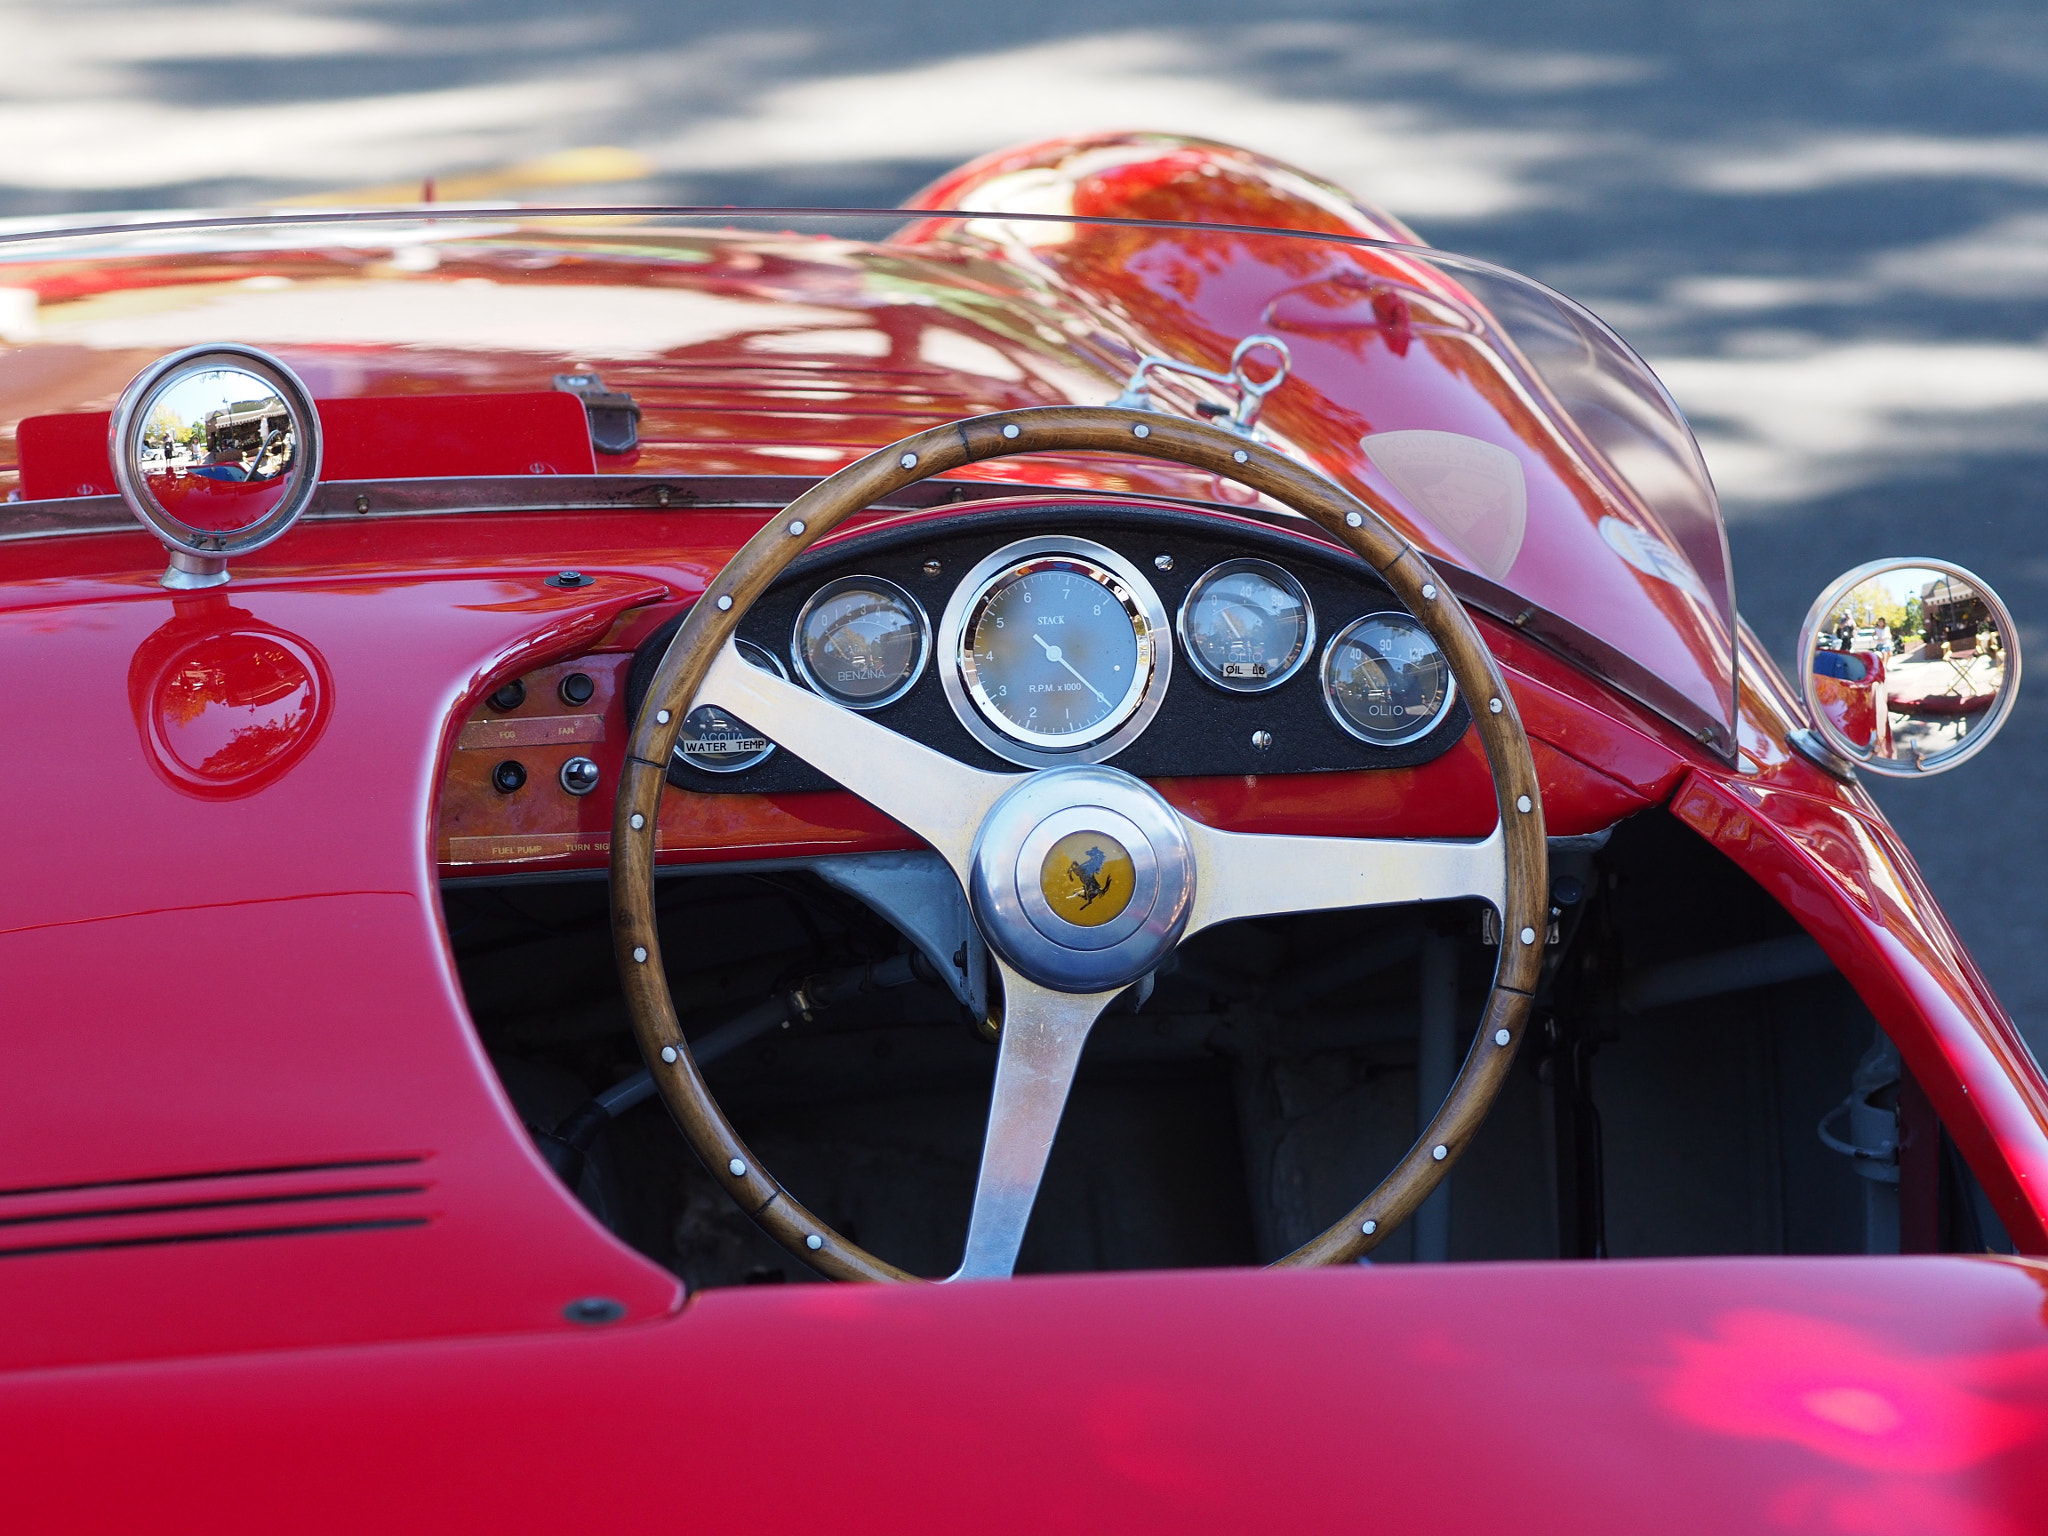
[(1908, 667), (217, 450)]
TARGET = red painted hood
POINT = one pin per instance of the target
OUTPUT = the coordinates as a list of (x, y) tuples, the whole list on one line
[(1774, 1395)]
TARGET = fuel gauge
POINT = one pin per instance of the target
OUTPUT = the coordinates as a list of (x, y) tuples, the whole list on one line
[(1247, 626), (861, 641)]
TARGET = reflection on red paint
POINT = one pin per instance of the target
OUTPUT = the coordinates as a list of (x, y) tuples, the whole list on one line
[(224, 703), (221, 498), (1848, 1396)]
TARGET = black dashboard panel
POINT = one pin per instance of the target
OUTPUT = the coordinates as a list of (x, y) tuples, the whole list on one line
[(1200, 729)]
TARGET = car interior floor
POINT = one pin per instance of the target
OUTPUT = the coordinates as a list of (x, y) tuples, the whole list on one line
[(1687, 1042)]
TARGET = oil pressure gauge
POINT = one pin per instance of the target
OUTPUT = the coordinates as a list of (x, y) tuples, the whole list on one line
[(1247, 626), (1385, 681)]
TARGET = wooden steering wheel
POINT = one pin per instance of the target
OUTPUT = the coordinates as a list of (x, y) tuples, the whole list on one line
[(988, 827)]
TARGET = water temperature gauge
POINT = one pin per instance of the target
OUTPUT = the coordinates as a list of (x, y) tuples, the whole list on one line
[(717, 742)]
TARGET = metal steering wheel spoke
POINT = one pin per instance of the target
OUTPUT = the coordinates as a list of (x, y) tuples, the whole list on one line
[(1241, 874), (1043, 1035), (940, 799)]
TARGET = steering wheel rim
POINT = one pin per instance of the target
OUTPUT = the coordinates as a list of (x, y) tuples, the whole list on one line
[(705, 638)]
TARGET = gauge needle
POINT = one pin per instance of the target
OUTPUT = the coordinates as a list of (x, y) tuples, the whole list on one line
[(1052, 653)]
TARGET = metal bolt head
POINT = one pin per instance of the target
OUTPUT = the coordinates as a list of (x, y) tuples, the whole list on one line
[(668, 1053), (1429, 591), (737, 1168), (1162, 562), (1011, 430), (1501, 1037), (1353, 520), (724, 602), (932, 567), (1262, 740), (1439, 1151), (796, 528), (1240, 455), (1493, 705), (1141, 430), (594, 1310), (815, 1242), (639, 955), (661, 717), (1524, 804), (1528, 935), (908, 461), (1369, 1228), (639, 821)]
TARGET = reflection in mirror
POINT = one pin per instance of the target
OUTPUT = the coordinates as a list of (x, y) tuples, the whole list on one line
[(216, 448), (1910, 666)]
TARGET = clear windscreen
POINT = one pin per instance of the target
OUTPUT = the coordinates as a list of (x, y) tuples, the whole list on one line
[(1506, 431)]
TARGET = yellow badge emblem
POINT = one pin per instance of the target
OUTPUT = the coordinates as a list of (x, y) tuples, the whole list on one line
[(1087, 878)]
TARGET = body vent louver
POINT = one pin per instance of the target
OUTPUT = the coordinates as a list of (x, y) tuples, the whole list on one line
[(293, 1200)]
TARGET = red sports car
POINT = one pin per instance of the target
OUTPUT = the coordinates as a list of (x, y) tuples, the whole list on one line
[(1127, 739)]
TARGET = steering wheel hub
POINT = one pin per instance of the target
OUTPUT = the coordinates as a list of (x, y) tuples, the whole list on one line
[(1082, 878)]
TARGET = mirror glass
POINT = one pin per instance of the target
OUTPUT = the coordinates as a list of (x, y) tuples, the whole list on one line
[(1909, 666), (216, 448)]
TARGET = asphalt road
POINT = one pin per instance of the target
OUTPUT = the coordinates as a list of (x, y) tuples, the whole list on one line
[(1827, 225)]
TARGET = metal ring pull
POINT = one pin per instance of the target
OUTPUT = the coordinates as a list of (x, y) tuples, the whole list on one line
[(1251, 392)]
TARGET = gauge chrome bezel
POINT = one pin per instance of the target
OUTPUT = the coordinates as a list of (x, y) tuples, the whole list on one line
[(832, 589), (1280, 576), (1344, 722), (1125, 722), (743, 764)]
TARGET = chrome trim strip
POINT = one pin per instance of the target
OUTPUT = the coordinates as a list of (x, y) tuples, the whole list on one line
[(347, 500)]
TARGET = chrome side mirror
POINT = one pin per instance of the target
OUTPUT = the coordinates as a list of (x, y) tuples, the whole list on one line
[(217, 450), (1908, 667)]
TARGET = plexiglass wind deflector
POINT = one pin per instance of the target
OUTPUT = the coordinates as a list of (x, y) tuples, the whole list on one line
[(1507, 431)]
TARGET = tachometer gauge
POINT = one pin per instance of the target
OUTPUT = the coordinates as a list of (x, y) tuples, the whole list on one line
[(1058, 652), (714, 741), (1247, 626), (861, 641), (1385, 681)]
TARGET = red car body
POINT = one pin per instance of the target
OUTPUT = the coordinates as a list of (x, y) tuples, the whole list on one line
[(276, 1250), (1852, 689)]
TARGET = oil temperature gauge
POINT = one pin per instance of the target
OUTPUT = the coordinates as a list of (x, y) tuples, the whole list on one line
[(1247, 626), (861, 641), (1385, 681), (714, 741)]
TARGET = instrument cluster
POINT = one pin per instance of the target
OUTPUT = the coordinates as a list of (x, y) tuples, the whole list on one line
[(1162, 640)]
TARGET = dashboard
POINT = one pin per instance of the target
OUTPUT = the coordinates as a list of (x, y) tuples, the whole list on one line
[(1171, 643), (1165, 642)]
